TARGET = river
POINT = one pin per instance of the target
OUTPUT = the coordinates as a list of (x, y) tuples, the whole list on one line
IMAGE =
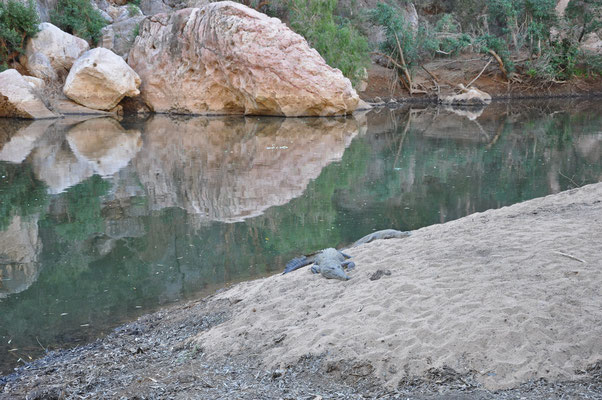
[(104, 220)]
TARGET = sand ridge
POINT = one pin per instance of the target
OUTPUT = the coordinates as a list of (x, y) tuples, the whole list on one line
[(509, 295)]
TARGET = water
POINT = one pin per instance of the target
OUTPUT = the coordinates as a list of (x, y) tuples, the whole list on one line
[(102, 221)]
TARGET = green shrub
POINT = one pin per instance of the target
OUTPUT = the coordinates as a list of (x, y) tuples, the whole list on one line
[(18, 22), (133, 10), (499, 46), (398, 34), (337, 41), (79, 18)]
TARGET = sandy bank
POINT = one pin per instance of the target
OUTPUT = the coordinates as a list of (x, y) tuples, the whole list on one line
[(510, 295), (494, 300)]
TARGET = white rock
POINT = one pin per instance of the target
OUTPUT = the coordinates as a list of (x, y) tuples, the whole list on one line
[(19, 100), (470, 96), (99, 79), (52, 52), (226, 58), (34, 82)]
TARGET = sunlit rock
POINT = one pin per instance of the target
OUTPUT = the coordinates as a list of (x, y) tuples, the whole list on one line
[(99, 79), (22, 139), (20, 247), (226, 58), (52, 52), (19, 100), (104, 144), (229, 169)]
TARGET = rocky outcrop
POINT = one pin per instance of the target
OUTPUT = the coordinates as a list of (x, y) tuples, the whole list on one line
[(19, 100), (52, 52), (231, 169), (99, 79), (226, 58), (119, 37), (153, 7)]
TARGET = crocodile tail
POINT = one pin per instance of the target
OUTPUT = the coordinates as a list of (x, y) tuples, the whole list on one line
[(296, 263)]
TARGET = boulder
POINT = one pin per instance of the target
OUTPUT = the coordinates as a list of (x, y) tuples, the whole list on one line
[(34, 82), (226, 58), (99, 79), (119, 37), (52, 52), (19, 100), (467, 97)]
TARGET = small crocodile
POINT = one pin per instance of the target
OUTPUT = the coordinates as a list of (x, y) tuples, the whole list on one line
[(384, 234), (331, 263)]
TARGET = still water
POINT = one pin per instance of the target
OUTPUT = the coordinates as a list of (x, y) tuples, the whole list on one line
[(102, 221)]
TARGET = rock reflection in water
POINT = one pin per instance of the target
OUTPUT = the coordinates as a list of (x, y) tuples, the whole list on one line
[(229, 169), (95, 146), (19, 138), (104, 144), (19, 250)]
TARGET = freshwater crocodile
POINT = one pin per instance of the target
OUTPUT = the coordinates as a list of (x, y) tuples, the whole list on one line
[(331, 263)]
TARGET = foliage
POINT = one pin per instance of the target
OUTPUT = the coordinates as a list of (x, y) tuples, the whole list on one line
[(136, 30), (399, 35), (79, 18), (450, 38), (133, 10), (18, 22), (341, 45)]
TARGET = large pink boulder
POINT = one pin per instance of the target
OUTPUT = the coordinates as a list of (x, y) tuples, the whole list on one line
[(226, 58)]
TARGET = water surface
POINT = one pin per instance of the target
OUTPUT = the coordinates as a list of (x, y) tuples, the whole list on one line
[(101, 221)]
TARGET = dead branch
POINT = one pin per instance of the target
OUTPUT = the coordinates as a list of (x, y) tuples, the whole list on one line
[(500, 62), (403, 63), (480, 73), (569, 256)]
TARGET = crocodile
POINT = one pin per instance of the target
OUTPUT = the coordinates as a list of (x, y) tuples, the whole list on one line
[(331, 263), (384, 234)]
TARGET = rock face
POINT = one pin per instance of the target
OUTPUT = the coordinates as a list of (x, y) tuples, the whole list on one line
[(19, 100), (52, 52), (99, 79), (226, 58), (119, 37)]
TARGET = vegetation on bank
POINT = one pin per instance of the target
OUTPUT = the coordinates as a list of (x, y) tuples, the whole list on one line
[(79, 18), (18, 22), (525, 38)]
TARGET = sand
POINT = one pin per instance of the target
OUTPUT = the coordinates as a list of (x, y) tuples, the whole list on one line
[(509, 296)]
